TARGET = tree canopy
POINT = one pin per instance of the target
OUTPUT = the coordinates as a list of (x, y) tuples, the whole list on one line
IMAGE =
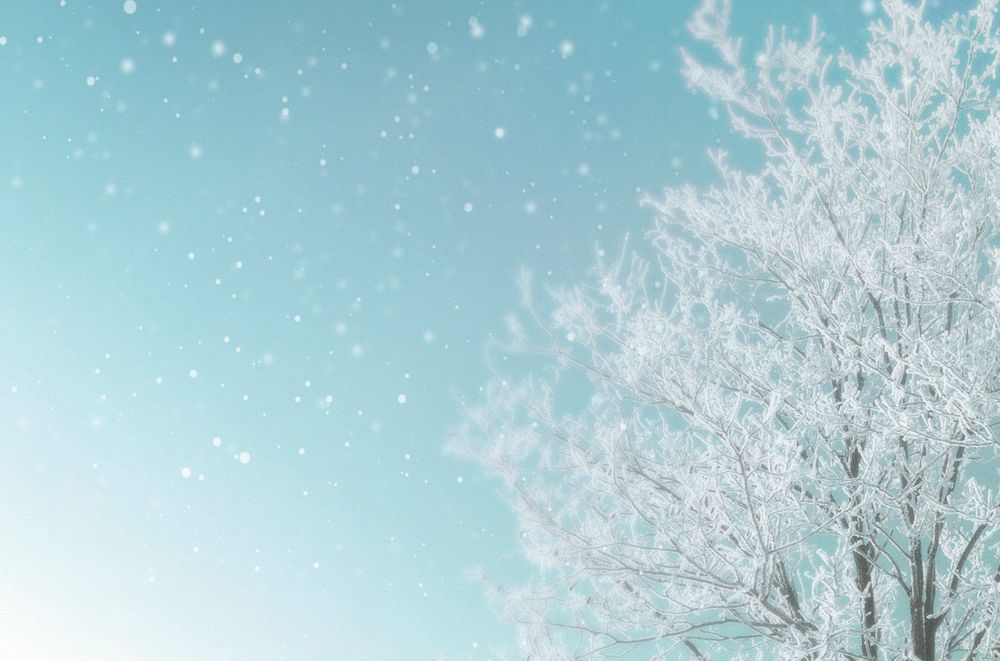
[(776, 434)]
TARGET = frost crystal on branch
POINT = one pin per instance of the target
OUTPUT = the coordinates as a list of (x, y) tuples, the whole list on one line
[(779, 437)]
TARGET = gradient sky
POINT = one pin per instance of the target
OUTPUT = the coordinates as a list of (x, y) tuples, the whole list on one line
[(251, 256)]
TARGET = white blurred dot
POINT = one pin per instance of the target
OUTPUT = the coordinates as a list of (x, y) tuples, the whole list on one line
[(524, 24), (237, 57), (566, 48), (460, 479), (91, 80), (216, 441), (185, 472), (476, 28), (432, 48), (127, 65), (401, 399), (129, 6), (244, 457), (218, 48), (499, 132), (467, 207)]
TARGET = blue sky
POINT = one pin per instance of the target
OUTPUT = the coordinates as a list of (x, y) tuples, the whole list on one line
[(252, 256)]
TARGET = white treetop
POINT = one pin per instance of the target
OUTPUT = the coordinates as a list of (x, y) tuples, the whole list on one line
[(778, 438)]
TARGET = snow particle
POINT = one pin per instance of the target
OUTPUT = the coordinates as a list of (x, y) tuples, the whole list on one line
[(401, 399), (523, 25), (432, 48), (186, 472), (244, 457), (476, 29), (237, 58), (216, 441), (129, 6), (499, 132), (467, 207), (193, 374)]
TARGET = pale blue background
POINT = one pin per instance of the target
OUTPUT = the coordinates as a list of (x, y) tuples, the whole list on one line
[(361, 280)]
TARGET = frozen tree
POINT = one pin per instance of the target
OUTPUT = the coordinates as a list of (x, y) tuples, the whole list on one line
[(776, 436)]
